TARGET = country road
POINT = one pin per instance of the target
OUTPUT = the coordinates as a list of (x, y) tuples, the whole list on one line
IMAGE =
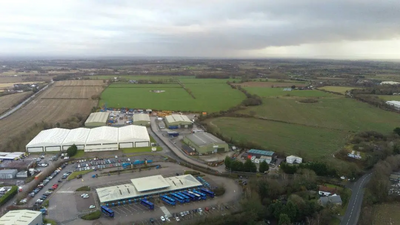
[(354, 207)]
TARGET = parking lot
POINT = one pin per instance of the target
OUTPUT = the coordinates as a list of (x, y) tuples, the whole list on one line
[(67, 212)]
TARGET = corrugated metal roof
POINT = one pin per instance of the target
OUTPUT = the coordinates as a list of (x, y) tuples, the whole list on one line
[(133, 133), (141, 117), (261, 152), (203, 138), (19, 217), (98, 117), (51, 137), (177, 118)]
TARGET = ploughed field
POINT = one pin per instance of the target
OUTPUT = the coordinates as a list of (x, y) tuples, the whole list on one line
[(8, 101), (59, 102)]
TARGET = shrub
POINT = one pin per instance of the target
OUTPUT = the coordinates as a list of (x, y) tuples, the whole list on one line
[(71, 151), (83, 188), (45, 203), (92, 216), (8, 195)]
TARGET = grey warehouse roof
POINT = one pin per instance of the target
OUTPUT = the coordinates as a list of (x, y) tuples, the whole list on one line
[(98, 117), (203, 138), (177, 118), (19, 217), (150, 183), (141, 117)]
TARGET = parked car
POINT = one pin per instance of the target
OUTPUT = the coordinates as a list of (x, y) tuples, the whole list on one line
[(55, 186), (177, 219), (92, 207)]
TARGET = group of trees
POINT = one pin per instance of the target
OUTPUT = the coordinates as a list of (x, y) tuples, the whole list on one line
[(235, 165), (71, 151), (321, 169)]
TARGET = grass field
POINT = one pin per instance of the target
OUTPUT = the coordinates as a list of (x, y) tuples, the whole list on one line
[(291, 139), (211, 95), (386, 214), (335, 113), (337, 89), (133, 77), (7, 101), (273, 92)]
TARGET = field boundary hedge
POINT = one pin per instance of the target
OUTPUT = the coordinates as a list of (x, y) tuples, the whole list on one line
[(11, 193)]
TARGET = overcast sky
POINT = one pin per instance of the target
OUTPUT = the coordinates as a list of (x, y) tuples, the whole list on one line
[(348, 29)]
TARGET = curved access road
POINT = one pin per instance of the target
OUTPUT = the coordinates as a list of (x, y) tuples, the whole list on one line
[(175, 150), (354, 207)]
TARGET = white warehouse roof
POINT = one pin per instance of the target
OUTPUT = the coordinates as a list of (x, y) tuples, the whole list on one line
[(21, 217), (138, 133), (77, 136), (84, 136), (103, 135), (49, 137)]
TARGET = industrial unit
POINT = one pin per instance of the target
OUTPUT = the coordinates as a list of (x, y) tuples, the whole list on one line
[(141, 119), (176, 121), (262, 155), (205, 143), (145, 186), (22, 217), (96, 139), (97, 119), (11, 155), (8, 174), (395, 104), (293, 159)]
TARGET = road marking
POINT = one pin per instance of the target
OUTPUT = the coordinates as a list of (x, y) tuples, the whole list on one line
[(355, 199)]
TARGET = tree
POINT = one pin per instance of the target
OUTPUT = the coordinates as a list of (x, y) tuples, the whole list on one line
[(228, 162), (263, 167), (71, 151), (284, 219), (293, 86), (249, 166), (397, 130)]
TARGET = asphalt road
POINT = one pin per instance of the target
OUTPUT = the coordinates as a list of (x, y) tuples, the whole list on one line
[(354, 207)]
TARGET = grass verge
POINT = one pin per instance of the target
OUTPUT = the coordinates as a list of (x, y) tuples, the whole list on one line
[(83, 188), (92, 216), (46, 203), (52, 222), (76, 173)]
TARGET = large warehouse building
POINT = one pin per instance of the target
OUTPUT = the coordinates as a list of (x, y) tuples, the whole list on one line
[(97, 119), (141, 119), (176, 121), (96, 139), (145, 186), (22, 217), (205, 143)]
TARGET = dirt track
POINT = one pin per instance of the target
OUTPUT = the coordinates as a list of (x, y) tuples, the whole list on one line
[(59, 108)]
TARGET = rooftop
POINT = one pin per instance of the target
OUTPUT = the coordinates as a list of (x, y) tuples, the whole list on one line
[(8, 171), (19, 217), (203, 138), (10, 155), (98, 117), (141, 117), (260, 152), (177, 118), (127, 191), (150, 183), (16, 164)]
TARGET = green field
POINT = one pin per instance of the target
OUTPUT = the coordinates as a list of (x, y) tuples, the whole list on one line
[(133, 77), (337, 89), (386, 213), (273, 92), (335, 113), (211, 95), (283, 137)]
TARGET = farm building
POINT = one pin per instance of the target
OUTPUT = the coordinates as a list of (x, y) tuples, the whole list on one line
[(395, 104), (176, 121), (8, 174), (267, 156), (205, 143), (141, 119), (22, 217), (97, 119), (293, 159), (145, 186), (96, 139)]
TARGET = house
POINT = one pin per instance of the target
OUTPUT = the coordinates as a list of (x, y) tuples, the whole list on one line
[(334, 200), (326, 191)]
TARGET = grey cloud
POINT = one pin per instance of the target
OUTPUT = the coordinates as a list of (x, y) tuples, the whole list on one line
[(195, 28)]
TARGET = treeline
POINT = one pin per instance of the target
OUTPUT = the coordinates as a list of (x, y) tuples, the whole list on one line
[(286, 201), (367, 95), (321, 169), (212, 76), (62, 77), (248, 166), (377, 189), (251, 100)]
